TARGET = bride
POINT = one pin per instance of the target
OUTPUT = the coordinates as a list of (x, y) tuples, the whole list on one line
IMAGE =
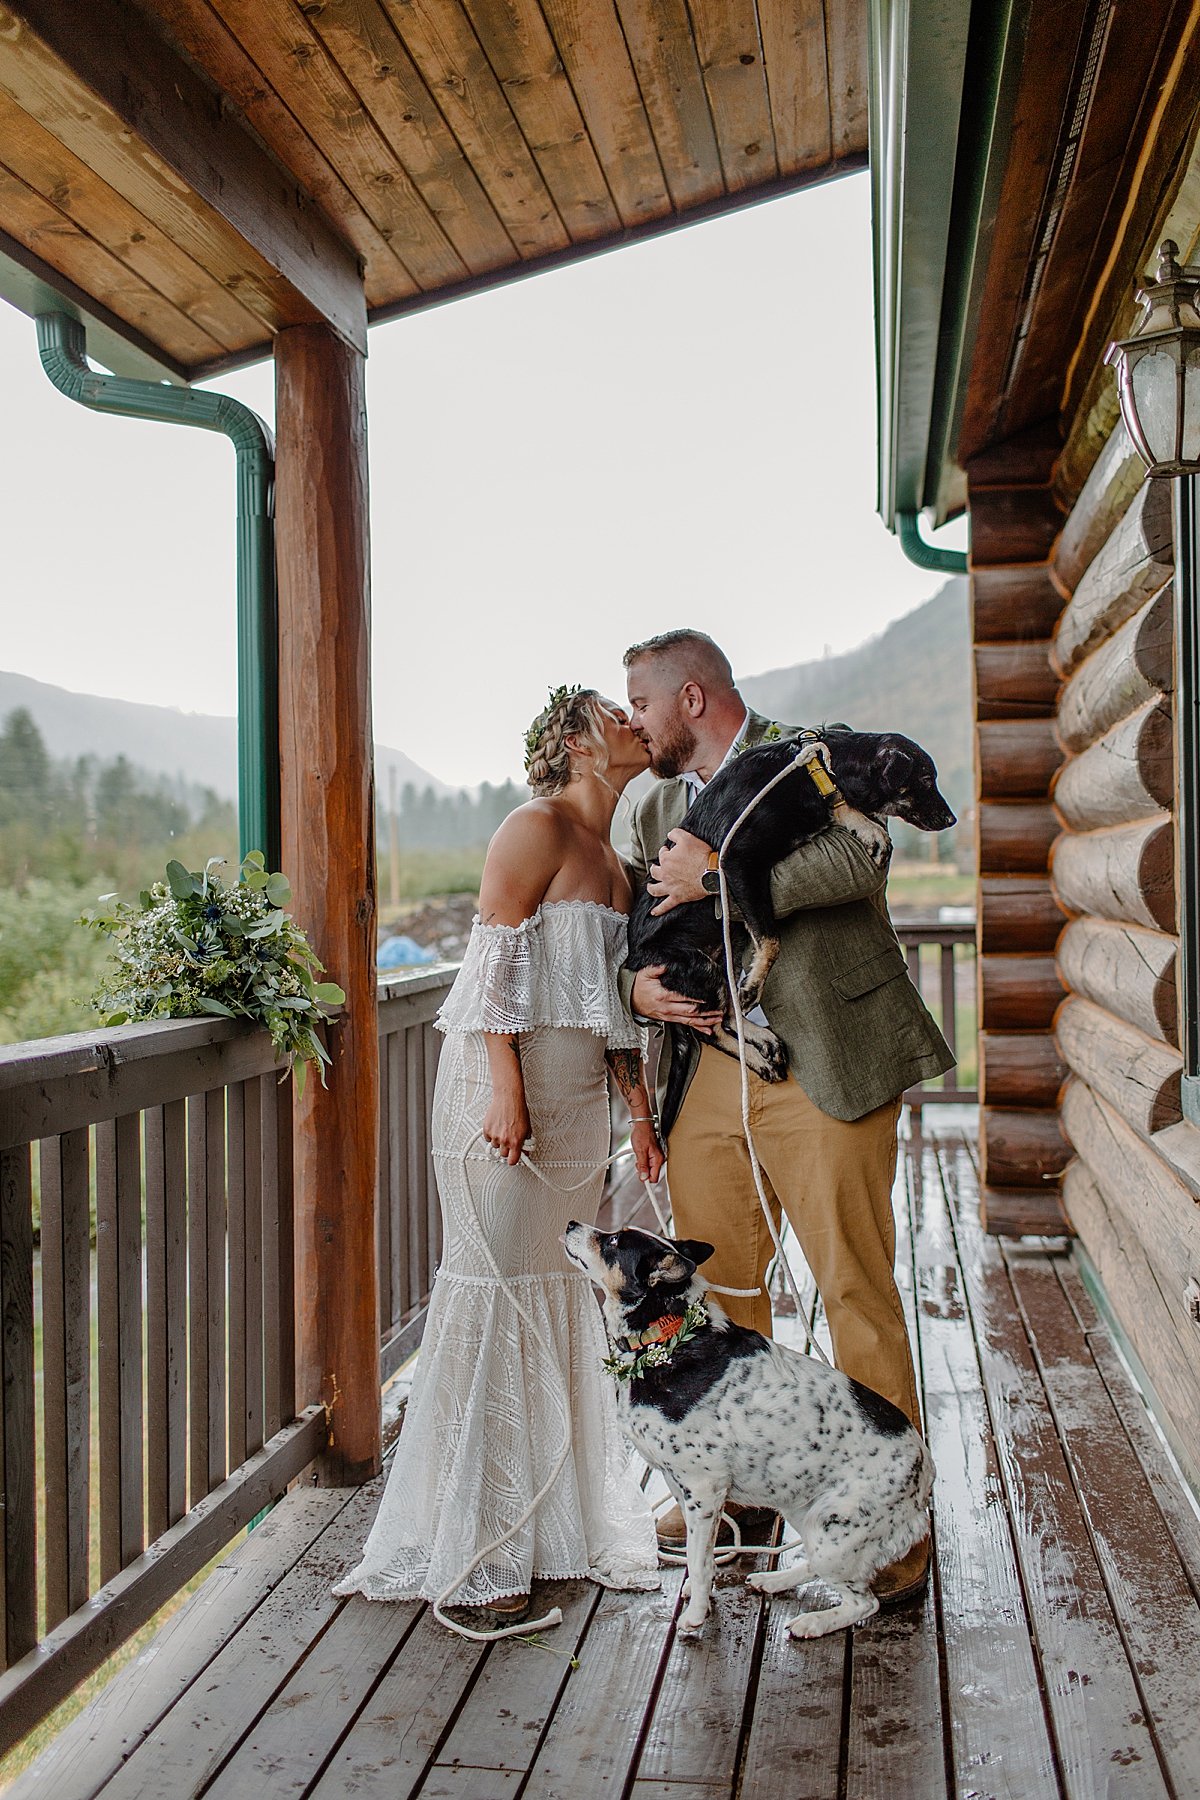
[(509, 1373)]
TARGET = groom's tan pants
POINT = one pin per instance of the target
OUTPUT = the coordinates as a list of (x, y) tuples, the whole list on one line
[(834, 1179)]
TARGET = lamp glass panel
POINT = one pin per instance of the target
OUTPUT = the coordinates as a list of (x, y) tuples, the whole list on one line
[(1153, 379), (1191, 406)]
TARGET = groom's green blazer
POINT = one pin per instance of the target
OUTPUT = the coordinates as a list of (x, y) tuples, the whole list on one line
[(857, 1031)]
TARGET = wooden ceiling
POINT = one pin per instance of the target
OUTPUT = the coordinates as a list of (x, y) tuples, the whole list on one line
[(207, 171)]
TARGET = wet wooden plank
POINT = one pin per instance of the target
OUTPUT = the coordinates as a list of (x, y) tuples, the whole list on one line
[(391, 1743), (1096, 1712), (185, 1750), (794, 1741), (66, 1369), (518, 1689), (1159, 1468), (93, 1746), (696, 1726), (594, 1735), (1153, 1600), (896, 1730), (291, 1741), (998, 1732)]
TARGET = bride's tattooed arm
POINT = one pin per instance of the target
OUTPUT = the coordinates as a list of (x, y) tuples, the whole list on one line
[(630, 1077)]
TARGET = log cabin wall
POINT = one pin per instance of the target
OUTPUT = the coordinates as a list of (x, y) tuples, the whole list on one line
[(1015, 606), (1131, 1193)]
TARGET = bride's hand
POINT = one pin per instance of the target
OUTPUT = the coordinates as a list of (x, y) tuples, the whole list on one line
[(506, 1125), (648, 1153)]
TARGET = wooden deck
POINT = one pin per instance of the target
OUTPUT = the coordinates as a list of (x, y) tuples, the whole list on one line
[(1057, 1651)]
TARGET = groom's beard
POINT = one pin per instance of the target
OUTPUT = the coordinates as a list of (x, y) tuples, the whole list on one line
[(675, 751)]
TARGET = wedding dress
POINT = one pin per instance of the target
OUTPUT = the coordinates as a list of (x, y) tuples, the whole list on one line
[(490, 1408)]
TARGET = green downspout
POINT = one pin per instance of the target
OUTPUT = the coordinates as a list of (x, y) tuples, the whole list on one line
[(62, 345), (926, 556)]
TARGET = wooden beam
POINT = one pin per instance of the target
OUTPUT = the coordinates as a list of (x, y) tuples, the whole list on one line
[(1126, 873), (1116, 476), (1132, 667), (1137, 1075), (1024, 1147), (1133, 564), (1020, 1068), (1015, 837), (1018, 913), (1018, 602), (1127, 970), (175, 127), (328, 841), (1017, 759), (1015, 681), (1016, 523), (1023, 1212), (1127, 775), (1018, 993)]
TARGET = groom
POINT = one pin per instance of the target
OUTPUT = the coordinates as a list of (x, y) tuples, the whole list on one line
[(856, 1030)]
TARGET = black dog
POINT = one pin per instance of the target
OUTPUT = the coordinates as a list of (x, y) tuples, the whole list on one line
[(877, 774)]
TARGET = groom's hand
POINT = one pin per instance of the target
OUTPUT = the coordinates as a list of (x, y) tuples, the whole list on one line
[(651, 1000), (675, 877)]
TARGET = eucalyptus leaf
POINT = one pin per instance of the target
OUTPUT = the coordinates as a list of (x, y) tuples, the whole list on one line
[(300, 1077), (181, 882), (329, 993), (208, 1005), (254, 859), (279, 890), (257, 879)]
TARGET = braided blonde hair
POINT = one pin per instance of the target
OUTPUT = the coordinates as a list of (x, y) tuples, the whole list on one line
[(572, 712)]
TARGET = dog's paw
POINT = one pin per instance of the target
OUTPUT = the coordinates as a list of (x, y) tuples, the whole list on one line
[(691, 1622)]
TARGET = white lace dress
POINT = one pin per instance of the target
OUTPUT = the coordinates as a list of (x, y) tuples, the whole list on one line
[(490, 1408)]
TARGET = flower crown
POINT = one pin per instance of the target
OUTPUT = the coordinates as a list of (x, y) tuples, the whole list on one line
[(536, 732)]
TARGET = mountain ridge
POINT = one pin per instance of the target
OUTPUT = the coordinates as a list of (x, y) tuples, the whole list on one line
[(199, 747)]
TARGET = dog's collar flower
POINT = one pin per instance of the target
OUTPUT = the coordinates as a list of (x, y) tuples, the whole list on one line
[(631, 1357)]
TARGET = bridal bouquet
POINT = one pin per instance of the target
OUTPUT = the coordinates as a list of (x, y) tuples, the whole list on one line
[(196, 944)]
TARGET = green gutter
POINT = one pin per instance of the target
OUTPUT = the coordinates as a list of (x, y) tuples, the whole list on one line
[(927, 556), (62, 345)]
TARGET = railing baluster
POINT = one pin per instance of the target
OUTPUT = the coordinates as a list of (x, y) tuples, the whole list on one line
[(252, 1279), (949, 1011), (395, 1092), (66, 1369), (418, 1215), (383, 1207), (18, 1565), (174, 1115), (197, 1126), (235, 1179), (215, 1221), (279, 1121), (119, 1289), (432, 1045), (158, 1506)]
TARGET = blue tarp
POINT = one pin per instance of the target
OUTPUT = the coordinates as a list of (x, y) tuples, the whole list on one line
[(402, 952)]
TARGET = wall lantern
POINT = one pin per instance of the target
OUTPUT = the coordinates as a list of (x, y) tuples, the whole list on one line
[(1158, 370)]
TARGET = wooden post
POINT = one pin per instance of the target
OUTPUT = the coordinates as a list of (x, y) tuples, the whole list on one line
[(329, 852)]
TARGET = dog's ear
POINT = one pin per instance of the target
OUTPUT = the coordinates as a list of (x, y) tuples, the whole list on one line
[(695, 1249), (895, 766)]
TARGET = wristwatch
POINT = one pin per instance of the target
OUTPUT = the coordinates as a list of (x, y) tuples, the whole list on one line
[(710, 881)]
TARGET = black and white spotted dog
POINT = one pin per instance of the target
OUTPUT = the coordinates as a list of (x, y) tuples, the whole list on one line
[(728, 1415)]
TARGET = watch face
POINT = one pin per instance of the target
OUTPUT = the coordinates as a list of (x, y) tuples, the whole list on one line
[(710, 881)]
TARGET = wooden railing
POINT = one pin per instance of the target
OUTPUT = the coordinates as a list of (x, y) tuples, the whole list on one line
[(167, 1414), (408, 1218), (941, 964)]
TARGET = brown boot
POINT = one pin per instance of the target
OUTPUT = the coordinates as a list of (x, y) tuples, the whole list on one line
[(904, 1579), (756, 1523)]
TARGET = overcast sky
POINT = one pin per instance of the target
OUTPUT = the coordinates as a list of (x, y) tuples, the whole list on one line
[(682, 432)]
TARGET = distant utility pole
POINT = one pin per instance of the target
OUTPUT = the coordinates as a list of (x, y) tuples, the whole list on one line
[(393, 839)]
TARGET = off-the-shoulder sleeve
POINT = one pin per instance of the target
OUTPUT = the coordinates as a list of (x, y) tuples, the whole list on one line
[(495, 988)]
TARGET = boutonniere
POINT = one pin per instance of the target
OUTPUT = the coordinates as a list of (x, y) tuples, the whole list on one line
[(771, 735), (630, 1359)]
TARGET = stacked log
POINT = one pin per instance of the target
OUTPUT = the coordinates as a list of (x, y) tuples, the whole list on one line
[(1016, 605), (1113, 868)]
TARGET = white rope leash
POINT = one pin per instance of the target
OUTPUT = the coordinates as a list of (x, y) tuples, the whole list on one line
[(798, 762)]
